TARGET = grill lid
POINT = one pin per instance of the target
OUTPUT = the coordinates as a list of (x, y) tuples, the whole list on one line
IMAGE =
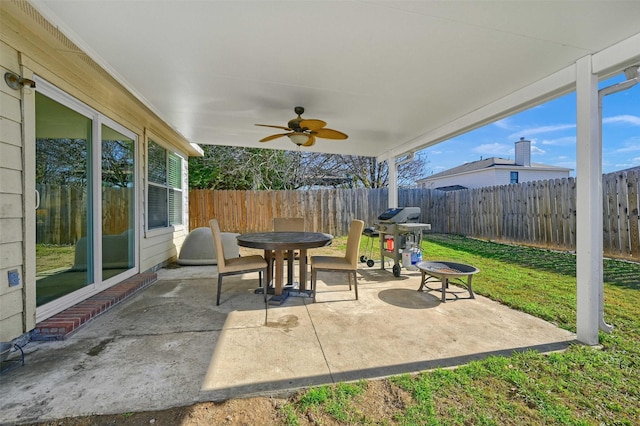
[(401, 215)]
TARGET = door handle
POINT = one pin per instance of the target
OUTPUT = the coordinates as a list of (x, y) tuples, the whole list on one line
[(37, 199)]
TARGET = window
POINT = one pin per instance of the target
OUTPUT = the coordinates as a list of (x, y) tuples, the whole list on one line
[(514, 177), (164, 200)]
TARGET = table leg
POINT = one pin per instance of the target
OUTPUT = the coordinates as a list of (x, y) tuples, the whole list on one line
[(279, 272), (473, 296), (290, 261), (268, 256), (303, 269), (445, 286)]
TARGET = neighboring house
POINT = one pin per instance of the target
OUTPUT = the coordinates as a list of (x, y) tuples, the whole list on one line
[(85, 166), (494, 171)]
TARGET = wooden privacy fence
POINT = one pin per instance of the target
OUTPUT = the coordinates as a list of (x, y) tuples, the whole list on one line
[(541, 213), (61, 217), (324, 210)]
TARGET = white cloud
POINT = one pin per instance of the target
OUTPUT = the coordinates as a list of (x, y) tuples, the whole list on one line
[(536, 150), (625, 119), (567, 140), (505, 123), (494, 149), (542, 129), (633, 163), (631, 145)]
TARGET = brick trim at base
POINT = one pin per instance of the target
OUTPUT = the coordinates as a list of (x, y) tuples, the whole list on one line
[(62, 324)]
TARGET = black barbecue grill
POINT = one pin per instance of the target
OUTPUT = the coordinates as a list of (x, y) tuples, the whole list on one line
[(399, 230)]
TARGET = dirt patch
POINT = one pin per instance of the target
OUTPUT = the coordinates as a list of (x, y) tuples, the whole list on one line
[(379, 403)]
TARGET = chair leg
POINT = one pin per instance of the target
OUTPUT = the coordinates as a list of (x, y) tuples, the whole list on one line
[(314, 272), (349, 279), (219, 288), (355, 283)]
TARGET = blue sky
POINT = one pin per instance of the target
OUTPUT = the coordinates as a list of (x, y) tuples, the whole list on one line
[(551, 128)]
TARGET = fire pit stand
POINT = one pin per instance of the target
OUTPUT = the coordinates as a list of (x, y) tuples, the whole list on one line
[(445, 272)]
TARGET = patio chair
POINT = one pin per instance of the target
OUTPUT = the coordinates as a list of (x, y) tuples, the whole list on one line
[(235, 265), (347, 264), (288, 224)]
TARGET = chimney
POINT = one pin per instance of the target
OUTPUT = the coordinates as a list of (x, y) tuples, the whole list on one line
[(523, 153)]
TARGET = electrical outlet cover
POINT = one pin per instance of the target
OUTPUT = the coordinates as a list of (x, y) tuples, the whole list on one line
[(14, 277)]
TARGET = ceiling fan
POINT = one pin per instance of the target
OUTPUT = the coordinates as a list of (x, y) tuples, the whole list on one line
[(302, 131)]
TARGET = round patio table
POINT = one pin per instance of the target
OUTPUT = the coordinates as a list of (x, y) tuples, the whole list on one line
[(444, 272), (279, 242)]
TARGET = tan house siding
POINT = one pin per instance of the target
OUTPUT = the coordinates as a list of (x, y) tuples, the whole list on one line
[(30, 46), (12, 221)]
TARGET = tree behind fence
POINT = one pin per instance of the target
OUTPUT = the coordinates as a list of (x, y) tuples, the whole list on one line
[(541, 213)]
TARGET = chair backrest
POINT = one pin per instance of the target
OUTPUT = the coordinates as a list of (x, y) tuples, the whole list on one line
[(217, 245), (288, 224), (353, 242)]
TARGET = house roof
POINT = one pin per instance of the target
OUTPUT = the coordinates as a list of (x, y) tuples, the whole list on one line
[(396, 76), (491, 162), (451, 188)]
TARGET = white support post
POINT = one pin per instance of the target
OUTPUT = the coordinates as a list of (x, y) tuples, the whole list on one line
[(393, 182), (588, 204)]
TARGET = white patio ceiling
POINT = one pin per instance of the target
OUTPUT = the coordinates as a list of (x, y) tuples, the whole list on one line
[(395, 75)]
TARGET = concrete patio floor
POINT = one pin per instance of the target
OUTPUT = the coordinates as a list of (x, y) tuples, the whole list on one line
[(170, 345)]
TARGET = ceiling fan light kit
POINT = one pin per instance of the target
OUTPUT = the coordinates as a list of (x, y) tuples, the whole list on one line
[(303, 132), (299, 138)]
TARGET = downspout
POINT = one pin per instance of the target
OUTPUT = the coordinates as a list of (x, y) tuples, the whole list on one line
[(631, 74)]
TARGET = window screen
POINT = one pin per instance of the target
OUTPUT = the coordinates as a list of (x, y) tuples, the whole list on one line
[(165, 187)]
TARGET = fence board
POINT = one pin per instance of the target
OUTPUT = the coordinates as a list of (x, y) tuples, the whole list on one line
[(623, 211), (607, 221), (633, 189)]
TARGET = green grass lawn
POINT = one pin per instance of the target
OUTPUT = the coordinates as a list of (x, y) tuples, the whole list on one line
[(581, 386), (54, 257)]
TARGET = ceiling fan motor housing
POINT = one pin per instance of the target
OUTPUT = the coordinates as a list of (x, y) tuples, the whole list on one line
[(294, 124)]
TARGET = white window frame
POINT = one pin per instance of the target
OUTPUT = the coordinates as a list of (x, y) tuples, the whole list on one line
[(98, 119), (152, 138)]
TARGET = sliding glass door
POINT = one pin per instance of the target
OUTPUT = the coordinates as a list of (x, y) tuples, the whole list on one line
[(118, 233), (64, 217), (86, 186)]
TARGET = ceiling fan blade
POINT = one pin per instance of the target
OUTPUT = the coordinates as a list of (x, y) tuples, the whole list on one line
[(312, 124), (311, 141), (275, 127), (272, 137), (330, 134)]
